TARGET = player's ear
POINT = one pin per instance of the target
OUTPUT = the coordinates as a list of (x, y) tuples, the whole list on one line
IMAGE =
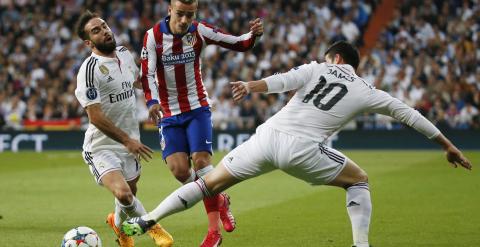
[(88, 43), (338, 59)]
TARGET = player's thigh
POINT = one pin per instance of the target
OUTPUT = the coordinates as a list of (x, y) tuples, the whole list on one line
[(351, 174), (199, 131), (173, 138), (315, 164), (219, 179), (131, 168), (101, 163), (249, 159), (115, 182)]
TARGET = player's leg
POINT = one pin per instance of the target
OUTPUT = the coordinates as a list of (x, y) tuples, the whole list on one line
[(244, 162), (131, 171), (199, 136), (181, 199), (175, 150), (359, 206), (106, 167), (126, 201), (318, 165)]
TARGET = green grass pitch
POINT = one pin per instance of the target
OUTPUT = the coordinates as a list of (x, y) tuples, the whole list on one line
[(418, 200)]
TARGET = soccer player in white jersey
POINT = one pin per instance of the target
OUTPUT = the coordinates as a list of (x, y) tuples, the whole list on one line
[(327, 96), (112, 146), (173, 87)]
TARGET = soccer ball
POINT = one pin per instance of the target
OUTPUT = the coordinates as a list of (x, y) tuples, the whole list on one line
[(81, 236)]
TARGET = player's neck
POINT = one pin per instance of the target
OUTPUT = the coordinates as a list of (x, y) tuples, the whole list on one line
[(99, 53)]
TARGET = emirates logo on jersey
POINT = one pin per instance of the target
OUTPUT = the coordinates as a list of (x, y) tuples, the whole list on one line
[(191, 39)]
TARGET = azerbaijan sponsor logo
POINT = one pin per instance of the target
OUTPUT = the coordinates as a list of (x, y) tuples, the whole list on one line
[(183, 58)]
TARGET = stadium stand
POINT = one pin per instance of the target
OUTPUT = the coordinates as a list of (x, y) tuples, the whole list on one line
[(427, 55)]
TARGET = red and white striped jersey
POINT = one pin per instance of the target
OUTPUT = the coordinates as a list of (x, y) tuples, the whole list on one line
[(171, 65)]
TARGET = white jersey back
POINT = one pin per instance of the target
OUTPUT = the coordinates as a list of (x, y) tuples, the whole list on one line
[(328, 96), (109, 82)]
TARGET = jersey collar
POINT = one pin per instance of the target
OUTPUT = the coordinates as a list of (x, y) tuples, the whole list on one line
[(165, 28), (344, 66), (106, 59)]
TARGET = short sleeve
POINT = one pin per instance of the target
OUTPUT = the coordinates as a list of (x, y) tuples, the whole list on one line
[(87, 91)]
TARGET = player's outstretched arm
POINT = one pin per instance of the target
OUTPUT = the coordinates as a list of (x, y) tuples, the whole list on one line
[(104, 124), (454, 156), (381, 102)]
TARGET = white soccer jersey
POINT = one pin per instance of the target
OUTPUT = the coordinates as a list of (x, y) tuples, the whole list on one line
[(330, 95), (171, 65), (109, 82)]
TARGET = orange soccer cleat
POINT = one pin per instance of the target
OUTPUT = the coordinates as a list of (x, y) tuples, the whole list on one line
[(122, 239), (161, 237)]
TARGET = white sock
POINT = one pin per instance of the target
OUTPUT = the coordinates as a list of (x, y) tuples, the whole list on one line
[(192, 177), (202, 172), (359, 209), (120, 216), (122, 212), (181, 199)]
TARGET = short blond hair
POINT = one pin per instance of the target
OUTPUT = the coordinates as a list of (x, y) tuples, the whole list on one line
[(184, 1)]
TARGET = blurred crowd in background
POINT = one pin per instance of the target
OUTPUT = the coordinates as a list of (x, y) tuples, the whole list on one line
[(428, 56)]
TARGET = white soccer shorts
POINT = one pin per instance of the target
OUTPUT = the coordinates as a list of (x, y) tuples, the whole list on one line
[(105, 161), (270, 149)]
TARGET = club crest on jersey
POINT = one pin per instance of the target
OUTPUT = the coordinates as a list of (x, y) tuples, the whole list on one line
[(191, 39), (103, 69), (92, 93), (144, 54)]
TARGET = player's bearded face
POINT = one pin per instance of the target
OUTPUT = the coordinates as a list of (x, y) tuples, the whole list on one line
[(106, 45)]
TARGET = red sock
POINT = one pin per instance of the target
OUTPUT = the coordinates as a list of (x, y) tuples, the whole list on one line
[(211, 206), (211, 203)]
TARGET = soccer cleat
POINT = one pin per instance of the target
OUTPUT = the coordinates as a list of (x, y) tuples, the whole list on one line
[(122, 239), (213, 239), (226, 216), (137, 226), (161, 237)]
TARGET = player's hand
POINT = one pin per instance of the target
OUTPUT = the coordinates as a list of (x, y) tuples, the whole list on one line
[(256, 27), (456, 158), (239, 89), (155, 113), (138, 149)]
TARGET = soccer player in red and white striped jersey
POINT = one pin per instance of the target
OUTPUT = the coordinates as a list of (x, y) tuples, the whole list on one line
[(178, 101)]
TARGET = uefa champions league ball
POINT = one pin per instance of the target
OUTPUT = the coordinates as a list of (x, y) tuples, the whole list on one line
[(81, 236)]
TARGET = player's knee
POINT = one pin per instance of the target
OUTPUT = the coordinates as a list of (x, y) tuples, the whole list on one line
[(181, 175), (124, 195), (133, 189), (362, 176), (201, 161)]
